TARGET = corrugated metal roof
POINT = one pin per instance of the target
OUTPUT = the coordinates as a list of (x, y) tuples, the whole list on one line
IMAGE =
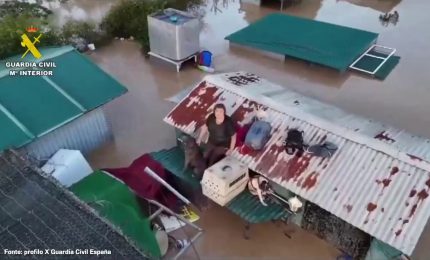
[(32, 106), (376, 181)]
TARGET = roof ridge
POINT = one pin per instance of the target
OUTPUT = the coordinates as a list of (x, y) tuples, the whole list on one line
[(318, 121)]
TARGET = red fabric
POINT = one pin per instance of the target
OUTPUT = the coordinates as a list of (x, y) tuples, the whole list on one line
[(143, 184), (241, 132), (244, 149)]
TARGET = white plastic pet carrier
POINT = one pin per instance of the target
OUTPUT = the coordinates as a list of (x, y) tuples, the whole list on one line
[(224, 180)]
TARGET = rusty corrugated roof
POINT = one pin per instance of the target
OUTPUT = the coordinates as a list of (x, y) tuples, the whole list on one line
[(376, 181)]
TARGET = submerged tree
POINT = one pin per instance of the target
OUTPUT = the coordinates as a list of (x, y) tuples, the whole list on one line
[(129, 17), (15, 18)]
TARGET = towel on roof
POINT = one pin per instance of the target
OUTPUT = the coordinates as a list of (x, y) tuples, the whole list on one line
[(143, 184)]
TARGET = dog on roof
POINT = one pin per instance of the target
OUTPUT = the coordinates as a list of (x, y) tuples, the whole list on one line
[(193, 157)]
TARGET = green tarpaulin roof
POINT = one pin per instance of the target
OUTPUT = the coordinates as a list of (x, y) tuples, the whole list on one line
[(31, 106), (318, 42), (114, 201)]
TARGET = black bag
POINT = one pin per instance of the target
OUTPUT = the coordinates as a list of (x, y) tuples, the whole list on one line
[(294, 141), (325, 150)]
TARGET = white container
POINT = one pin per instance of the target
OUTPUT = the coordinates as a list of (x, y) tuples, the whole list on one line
[(68, 167), (175, 39), (225, 180)]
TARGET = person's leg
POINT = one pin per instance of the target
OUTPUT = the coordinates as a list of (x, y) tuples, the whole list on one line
[(208, 151), (217, 154)]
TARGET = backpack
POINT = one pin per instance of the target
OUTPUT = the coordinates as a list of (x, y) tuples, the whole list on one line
[(294, 141), (258, 135)]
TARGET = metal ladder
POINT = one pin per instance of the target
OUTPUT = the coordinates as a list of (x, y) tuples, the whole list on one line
[(162, 208)]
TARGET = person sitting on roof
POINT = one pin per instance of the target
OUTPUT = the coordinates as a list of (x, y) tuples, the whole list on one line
[(385, 17), (395, 16), (222, 135)]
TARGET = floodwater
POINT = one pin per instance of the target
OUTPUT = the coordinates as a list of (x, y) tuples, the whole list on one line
[(79, 10), (136, 118), (400, 100)]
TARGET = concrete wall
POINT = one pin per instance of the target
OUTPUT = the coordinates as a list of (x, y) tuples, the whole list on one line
[(337, 232)]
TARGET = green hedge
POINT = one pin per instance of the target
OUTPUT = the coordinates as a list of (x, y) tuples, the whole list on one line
[(125, 19), (129, 17)]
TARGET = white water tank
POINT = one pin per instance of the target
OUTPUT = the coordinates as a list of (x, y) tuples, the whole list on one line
[(173, 34)]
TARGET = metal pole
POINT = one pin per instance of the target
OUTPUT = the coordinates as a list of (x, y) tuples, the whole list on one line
[(156, 213), (186, 221), (284, 201), (189, 244), (165, 184), (175, 214)]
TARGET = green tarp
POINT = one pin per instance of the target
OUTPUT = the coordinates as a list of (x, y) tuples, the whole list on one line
[(388, 66), (249, 208), (14, 134), (83, 80), (31, 106), (114, 201), (314, 41), (36, 104), (173, 160)]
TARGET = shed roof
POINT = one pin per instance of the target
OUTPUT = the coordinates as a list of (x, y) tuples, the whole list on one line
[(32, 106), (378, 180), (314, 41), (36, 213)]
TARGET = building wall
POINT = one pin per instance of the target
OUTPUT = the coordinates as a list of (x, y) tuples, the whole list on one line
[(422, 251), (254, 2), (85, 134), (380, 251), (337, 232)]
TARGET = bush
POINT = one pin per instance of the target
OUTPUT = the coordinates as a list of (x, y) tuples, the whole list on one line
[(84, 30), (12, 27), (184, 5), (15, 8), (129, 17), (15, 17)]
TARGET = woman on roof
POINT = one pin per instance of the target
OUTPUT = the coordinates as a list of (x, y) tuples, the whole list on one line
[(222, 135)]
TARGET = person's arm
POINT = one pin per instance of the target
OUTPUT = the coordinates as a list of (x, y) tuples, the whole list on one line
[(231, 130), (203, 132), (233, 142), (260, 192)]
